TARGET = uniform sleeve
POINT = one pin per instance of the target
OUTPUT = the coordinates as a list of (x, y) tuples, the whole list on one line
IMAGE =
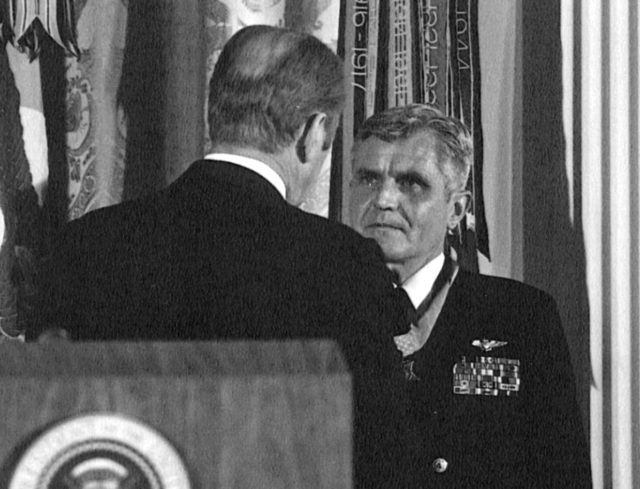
[(563, 454)]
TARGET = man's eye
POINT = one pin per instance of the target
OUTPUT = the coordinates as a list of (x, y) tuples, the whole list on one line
[(367, 179), (412, 184)]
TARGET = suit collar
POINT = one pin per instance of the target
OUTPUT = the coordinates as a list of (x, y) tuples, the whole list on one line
[(261, 168), (205, 179)]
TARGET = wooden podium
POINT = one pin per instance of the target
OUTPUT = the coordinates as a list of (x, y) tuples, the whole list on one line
[(239, 414)]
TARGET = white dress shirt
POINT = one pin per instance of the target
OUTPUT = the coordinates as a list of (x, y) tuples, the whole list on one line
[(254, 165), (420, 283)]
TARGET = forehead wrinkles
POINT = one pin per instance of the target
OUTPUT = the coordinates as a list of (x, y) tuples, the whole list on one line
[(412, 157), (418, 149), (422, 154), (371, 154)]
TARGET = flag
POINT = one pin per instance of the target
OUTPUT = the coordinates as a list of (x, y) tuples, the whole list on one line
[(27, 80), (20, 212), (25, 22)]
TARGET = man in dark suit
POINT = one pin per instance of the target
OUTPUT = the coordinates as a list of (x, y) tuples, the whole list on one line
[(224, 252), (488, 375)]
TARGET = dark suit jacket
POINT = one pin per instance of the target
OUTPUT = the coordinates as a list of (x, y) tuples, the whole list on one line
[(534, 439), (219, 254)]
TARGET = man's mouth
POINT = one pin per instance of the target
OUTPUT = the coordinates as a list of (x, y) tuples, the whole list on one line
[(385, 225)]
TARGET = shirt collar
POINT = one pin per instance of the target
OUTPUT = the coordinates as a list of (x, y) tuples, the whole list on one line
[(254, 165), (420, 283)]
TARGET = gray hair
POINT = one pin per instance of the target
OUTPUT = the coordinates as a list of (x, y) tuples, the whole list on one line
[(455, 154), (267, 82)]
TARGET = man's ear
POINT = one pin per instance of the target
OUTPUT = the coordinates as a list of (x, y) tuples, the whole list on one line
[(311, 143), (460, 204)]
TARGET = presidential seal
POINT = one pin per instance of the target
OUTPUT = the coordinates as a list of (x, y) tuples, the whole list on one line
[(100, 451)]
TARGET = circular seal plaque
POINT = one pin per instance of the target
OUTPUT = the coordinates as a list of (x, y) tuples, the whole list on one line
[(100, 451)]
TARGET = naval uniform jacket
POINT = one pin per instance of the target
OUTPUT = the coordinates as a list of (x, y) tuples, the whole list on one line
[(219, 254), (494, 336)]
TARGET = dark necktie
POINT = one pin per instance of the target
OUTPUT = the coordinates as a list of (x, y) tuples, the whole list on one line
[(410, 315)]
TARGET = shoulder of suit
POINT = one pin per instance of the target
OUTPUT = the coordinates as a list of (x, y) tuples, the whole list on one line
[(334, 246), (118, 220), (337, 236)]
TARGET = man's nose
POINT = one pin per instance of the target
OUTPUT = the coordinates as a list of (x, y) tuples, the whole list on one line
[(387, 195)]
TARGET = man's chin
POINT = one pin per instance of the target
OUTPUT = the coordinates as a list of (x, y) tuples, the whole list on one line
[(389, 240)]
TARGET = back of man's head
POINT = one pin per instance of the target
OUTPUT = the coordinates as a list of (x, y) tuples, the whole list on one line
[(266, 84)]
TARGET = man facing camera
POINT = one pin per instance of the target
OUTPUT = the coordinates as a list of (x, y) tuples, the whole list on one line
[(488, 375), (224, 253)]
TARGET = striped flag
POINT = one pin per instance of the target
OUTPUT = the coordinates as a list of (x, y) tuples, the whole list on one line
[(24, 153), (24, 22), (20, 212), (34, 136)]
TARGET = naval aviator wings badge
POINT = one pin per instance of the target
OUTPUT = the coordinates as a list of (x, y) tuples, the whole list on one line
[(488, 345)]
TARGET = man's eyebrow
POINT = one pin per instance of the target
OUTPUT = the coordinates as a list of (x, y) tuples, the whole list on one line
[(366, 171), (411, 174)]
